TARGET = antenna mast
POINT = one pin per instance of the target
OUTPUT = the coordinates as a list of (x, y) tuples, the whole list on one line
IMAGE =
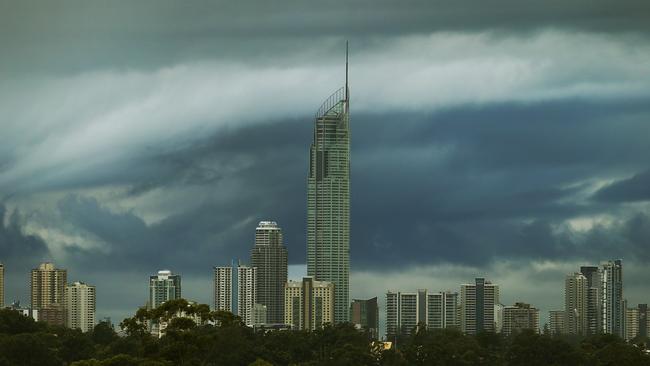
[(347, 92)]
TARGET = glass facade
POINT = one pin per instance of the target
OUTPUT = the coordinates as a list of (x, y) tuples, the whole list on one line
[(328, 200)]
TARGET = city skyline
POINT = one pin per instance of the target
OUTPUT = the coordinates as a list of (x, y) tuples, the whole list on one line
[(158, 136)]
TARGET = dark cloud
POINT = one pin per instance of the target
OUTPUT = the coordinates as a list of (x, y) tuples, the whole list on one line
[(466, 186), (635, 188), (74, 35), (479, 176), (16, 247)]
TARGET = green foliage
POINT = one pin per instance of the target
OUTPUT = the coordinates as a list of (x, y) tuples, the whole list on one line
[(103, 334), (29, 349), (231, 343), (530, 349), (12, 322), (260, 362)]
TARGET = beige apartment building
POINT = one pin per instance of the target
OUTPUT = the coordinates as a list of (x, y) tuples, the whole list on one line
[(47, 293), (308, 304), (518, 317), (575, 304)]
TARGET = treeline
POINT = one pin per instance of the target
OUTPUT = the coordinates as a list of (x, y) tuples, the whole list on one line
[(25, 342)]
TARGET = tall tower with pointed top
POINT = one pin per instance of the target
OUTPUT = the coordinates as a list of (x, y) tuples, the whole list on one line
[(328, 198)]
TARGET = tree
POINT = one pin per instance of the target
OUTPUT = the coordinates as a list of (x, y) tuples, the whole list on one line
[(29, 349), (260, 362), (13, 322), (609, 349), (103, 334), (74, 345), (531, 349)]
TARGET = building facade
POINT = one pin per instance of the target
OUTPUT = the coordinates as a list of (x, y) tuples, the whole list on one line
[(309, 304), (478, 301), (47, 293), (80, 304), (269, 256), (364, 314), (575, 304), (235, 290), (631, 323), (163, 287), (328, 199), (406, 311), (613, 310), (518, 317), (556, 322), (593, 275), (442, 310), (643, 320), (260, 316)]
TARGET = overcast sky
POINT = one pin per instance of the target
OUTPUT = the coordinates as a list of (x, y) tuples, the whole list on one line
[(510, 141)]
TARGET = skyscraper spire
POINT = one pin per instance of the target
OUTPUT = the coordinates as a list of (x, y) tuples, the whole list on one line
[(347, 92)]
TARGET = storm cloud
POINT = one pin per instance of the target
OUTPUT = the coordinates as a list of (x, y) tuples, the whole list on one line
[(485, 141)]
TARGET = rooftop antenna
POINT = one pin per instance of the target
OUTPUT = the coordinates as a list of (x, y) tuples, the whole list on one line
[(347, 92)]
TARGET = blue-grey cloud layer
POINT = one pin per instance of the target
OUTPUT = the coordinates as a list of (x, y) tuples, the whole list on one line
[(108, 165)]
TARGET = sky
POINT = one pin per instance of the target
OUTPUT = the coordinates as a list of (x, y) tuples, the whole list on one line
[(508, 141)]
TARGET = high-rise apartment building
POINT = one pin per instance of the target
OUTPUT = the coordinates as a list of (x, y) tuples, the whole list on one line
[(364, 314), (593, 276), (631, 323), (328, 199), (478, 301), (308, 304), (235, 290), (269, 256), (644, 321), (575, 304), (442, 310), (2, 286), (163, 287), (405, 311), (518, 317), (47, 293), (613, 311), (80, 302), (556, 322)]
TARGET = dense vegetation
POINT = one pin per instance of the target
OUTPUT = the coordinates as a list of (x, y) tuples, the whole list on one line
[(25, 342)]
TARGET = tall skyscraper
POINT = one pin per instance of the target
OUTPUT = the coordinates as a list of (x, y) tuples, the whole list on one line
[(47, 293), (364, 314), (575, 304), (328, 198), (309, 304), (613, 311), (478, 301), (518, 317), (593, 275), (235, 290), (406, 311), (269, 256), (2, 286), (163, 287), (80, 304)]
